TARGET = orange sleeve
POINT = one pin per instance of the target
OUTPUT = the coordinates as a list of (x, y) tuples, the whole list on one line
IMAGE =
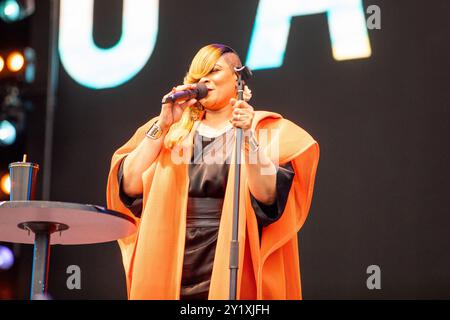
[(112, 191), (280, 268)]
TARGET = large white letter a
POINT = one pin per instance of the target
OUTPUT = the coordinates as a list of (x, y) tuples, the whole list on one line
[(346, 23)]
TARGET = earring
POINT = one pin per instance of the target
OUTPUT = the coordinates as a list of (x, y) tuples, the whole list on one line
[(197, 112)]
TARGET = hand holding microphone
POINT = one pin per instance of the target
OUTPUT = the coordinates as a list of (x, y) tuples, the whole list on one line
[(185, 92), (174, 103)]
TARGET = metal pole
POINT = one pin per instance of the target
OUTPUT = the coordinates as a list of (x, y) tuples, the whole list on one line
[(52, 85), (41, 253), (41, 258), (234, 246)]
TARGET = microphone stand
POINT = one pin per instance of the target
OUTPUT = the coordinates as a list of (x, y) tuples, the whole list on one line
[(242, 72)]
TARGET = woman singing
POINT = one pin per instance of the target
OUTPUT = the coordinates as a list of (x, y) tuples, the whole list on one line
[(175, 178)]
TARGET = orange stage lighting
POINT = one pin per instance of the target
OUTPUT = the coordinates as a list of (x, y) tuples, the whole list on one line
[(15, 61)]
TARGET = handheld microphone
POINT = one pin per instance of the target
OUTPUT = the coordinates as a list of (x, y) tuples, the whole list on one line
[(199, 92)]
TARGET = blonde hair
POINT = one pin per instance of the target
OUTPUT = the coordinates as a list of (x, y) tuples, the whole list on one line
[(201, 65)]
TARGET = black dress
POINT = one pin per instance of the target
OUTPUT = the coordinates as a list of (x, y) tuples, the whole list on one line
[(207, 185)]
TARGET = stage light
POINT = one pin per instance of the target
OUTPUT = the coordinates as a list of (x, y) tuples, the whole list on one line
[(10, 11), (2, 63), (6, 258), (15, 61), (8, 133), (18, 65), (13, 111), (5, 184), (15, 10)]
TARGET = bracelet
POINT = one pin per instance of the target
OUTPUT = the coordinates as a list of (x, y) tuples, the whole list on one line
[(154, 132)]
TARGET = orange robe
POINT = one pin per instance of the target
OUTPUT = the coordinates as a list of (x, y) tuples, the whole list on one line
[(270, 269)]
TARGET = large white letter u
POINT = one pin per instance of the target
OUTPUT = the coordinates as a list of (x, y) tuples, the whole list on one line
[(99, 68)]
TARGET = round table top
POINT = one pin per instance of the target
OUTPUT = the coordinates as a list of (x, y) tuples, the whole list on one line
[(87, 223)]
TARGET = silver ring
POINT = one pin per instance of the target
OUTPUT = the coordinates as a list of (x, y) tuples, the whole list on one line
[(239, 116)]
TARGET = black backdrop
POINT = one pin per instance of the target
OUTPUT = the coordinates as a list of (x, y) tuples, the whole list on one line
[(381, 192)]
